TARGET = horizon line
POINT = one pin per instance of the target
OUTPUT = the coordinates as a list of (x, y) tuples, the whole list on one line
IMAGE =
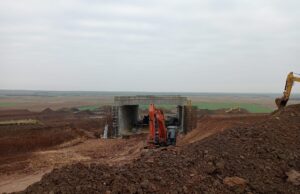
[(131, 91)]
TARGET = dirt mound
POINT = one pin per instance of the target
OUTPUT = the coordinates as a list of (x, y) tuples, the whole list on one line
[(254, 159), (47, 111), (291, 110), (202, 112), (236, 111), (211, 124), (74, 109), (31, 140), (85, 113), (16, 114)]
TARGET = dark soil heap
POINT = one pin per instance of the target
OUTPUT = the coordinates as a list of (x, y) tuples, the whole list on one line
[(254, 159)]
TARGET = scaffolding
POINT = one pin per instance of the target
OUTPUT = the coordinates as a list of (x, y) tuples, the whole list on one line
[(115, 120)]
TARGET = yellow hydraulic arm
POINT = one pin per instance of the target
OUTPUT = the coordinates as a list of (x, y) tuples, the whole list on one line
[(281, 102)]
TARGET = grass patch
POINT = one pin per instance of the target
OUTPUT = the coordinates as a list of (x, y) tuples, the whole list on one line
[(20, 122), (7, 104), (91, 108), (253, 108)]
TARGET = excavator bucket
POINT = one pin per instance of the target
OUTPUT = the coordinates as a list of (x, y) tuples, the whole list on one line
[(280, 102)]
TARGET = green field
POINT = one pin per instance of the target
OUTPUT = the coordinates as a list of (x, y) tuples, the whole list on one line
[(91, 108), (7, 104), (253, 108), (20, 122)]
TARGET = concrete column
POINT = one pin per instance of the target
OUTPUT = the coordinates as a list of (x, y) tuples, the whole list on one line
[(180, 117), (128, 116)]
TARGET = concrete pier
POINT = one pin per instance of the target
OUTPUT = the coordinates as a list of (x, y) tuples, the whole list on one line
[(128, 116)]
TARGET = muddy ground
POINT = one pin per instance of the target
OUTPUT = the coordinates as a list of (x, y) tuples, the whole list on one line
[(64, 137), (29, 149), (260, 157), (50, 128), (241, 153)]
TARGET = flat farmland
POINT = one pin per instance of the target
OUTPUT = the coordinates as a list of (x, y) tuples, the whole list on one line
[(39, 100), (39, 103)]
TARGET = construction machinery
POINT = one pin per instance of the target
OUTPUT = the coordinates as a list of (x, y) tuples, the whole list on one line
[(282, 101), (158, 133)]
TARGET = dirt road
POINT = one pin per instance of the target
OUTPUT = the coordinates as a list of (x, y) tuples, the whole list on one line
[(22, 170)]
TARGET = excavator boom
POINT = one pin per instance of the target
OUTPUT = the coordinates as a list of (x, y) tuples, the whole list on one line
[(282, 101), (157, 128)]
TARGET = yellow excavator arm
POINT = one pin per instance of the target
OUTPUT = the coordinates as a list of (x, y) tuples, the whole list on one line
[(281, 102)]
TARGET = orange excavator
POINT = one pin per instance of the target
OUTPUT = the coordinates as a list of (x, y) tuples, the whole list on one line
[(158, 135)]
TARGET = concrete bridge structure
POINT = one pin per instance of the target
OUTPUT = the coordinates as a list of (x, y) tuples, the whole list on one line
[(125, 113)]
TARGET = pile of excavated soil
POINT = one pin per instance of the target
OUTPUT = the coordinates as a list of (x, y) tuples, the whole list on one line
[(260, 158), (51, 129), (211, 124)]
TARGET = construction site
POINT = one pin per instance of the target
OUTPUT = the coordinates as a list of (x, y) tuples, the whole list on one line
[(123, 148), (140, 97)]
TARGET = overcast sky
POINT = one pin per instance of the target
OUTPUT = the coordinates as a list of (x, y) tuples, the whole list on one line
[(149, 45)]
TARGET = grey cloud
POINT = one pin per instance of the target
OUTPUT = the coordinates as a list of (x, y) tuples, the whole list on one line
[(139, 45)]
